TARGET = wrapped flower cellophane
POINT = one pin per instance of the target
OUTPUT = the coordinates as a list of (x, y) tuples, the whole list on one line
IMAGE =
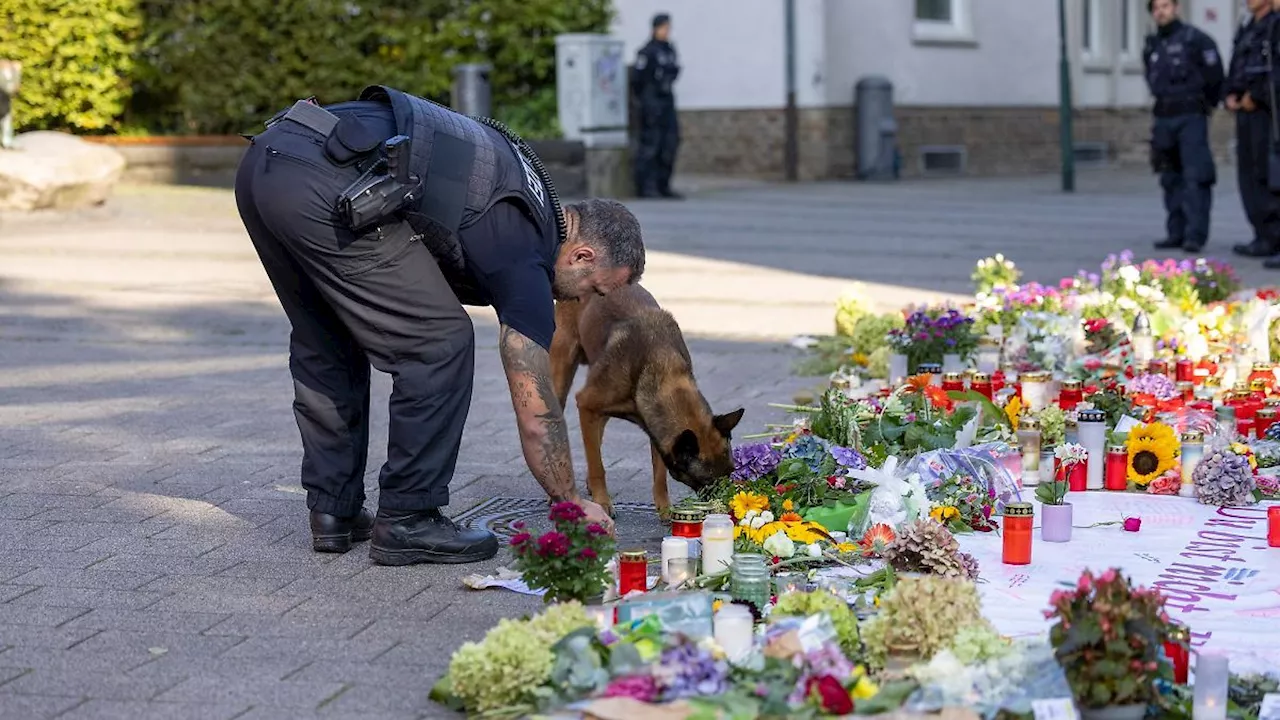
[(994, 465), (1010, 682)]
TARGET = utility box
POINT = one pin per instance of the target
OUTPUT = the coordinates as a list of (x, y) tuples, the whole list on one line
[(472, 94), (591, 89), (876, 131)]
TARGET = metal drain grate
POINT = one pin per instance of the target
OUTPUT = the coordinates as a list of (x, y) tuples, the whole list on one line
[(497, 514)]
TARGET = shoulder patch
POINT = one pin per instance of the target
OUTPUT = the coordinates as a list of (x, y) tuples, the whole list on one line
[(1210, 57), (641, 61)]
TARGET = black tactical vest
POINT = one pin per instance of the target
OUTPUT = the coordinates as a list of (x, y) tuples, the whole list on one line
[(1174, 75), (467, 165)]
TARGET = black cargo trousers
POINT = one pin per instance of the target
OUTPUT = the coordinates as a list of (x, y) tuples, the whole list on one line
[(357, 299)]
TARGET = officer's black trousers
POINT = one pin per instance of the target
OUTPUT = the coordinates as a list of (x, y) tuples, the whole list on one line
[(1188, 187), (1253, 138), (353, 300), (659, 140)]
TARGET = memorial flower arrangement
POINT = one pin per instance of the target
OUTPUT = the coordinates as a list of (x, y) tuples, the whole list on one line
[(930, 333), (1108, 635), (569, 562), (1224, 477), (963, 504)]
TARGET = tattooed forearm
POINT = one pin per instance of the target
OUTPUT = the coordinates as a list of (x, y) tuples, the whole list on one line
[(544, 435)]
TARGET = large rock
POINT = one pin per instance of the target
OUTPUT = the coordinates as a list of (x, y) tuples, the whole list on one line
[(57, 171)]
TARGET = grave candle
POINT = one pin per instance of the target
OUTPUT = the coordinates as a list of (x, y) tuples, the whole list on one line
[(1117, 467), (717, 543), (1273, 526), (1192, 454), (1210, 693), (672, 547), (633, 571), (1018, 520), (982, 385), (733, 631), (1093, 436)]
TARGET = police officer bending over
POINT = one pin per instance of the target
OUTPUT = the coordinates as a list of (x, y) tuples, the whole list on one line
[(1247, 95), (651, 79), (376, 220), (1184, 74)]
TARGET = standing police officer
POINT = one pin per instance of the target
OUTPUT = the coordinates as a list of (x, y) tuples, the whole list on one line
[(376, 220), (651, 79), (1185, 75), (1247, 95)]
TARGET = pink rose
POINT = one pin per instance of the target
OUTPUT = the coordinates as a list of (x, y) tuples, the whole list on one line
[(1132, 524), (1086, 582), (1167, 484), (1107, 577)]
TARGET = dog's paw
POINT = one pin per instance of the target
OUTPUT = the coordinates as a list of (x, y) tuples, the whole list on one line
[(664, 514)]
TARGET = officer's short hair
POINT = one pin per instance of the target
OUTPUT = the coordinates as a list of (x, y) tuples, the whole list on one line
[(661, 19), (610, 228), (1151, 5)]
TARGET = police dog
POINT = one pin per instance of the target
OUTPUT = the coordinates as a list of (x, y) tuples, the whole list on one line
[(639, 370)]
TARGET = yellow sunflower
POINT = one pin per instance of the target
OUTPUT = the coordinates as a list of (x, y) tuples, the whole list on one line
[(806, 532), (745, 502), (1013, 409), (1153, 451)]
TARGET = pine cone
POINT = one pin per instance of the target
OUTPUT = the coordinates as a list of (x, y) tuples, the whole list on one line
[(929, 547)]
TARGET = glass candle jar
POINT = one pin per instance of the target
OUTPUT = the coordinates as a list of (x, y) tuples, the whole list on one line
[(1192, 454), (750, 580), (933, 370), (1263, 419), (633, 571), (1047, 463), (1071, 429), (1117, 467), (1093, 436), (672, 548), (1226, 415), (981, 384), (953, 382), (1262, 372), (1184, 370), (717, 543), (1070, 395), (687, 524), (1036, 391), (988, 359), (997, 381), (732, 627), (1019, 517), (1178, 649), (1158, 367), (1209, 696), (1273, 526), (1186, 390), (1029, 444)]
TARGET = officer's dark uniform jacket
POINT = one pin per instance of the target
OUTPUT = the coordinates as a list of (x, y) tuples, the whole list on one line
[(1183, 71), (655, 72), (467, 167), (1248, 70)]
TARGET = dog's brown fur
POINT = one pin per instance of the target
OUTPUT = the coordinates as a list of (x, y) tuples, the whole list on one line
[(639, 371)]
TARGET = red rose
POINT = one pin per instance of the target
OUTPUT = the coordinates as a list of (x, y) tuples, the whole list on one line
[(830, 694)]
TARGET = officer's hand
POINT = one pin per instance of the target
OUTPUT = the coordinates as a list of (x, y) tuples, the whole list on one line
[(596, 514), (1247, 104), (1233, 102)]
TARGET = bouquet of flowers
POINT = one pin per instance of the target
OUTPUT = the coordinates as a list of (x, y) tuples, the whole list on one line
[(569, 562), (963, 503), (931, 333)]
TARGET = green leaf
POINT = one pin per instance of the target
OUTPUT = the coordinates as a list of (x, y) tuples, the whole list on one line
[(991, 415)]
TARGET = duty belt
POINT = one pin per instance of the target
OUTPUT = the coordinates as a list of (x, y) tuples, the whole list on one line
[(310, 115)]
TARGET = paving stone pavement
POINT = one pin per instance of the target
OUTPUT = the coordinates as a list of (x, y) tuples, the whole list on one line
[(155, 558)]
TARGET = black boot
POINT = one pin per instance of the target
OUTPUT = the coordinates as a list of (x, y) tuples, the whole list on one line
[(332, 534), (1272, 263), (405, 538), (1257, 248), (1168, 244)]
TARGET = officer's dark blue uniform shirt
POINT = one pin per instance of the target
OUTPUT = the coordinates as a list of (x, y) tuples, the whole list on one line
[(655, 71), (1248, 71), (1183, 70)]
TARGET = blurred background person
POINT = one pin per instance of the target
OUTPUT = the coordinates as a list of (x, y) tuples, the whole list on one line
[(652, 78)]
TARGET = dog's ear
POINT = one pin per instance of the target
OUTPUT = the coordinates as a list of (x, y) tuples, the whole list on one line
[(686, 445), (726, 423)]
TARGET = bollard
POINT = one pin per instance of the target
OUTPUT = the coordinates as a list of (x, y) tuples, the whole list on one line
[(471, 92), (10, 80)]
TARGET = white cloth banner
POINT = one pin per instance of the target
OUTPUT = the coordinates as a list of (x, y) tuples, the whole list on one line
[(1212, 564)]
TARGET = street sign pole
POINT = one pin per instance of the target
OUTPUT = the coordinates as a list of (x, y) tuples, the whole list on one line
[(1064, 104)]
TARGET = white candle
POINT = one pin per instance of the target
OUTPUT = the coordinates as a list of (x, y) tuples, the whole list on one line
[(1092, 426), (734, 632), (717, 543), (1210, 687), (672, 547)]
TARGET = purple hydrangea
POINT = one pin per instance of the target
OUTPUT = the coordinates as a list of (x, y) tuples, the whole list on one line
[(847, 458), (1158, 386), (754, 461)]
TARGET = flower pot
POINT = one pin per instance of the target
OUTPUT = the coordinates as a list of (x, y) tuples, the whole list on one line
[(1115, 712), (951, 362), (897, 368), (1055, 523)]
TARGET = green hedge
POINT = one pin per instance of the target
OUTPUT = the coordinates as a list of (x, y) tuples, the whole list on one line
[(224, 66), (77, 58)]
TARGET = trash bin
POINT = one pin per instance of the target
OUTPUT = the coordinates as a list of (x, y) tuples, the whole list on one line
[(471, 92), (875, 131)]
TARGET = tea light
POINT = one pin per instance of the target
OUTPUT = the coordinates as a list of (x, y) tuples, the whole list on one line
[(786, 582), (679, 570), (1211, 679), (733, 630), (672, 547)]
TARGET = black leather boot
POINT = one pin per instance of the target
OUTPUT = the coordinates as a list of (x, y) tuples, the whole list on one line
[(1169, 244), (1257, 249), (332, 534), (406, 538)]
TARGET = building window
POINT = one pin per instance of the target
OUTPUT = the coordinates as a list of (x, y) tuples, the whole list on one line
[(935, 11), (943, 22)]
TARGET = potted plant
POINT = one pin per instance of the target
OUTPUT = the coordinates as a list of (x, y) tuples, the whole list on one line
[(1056, 512), (569, 562), (1108, 638), (934, 335)]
